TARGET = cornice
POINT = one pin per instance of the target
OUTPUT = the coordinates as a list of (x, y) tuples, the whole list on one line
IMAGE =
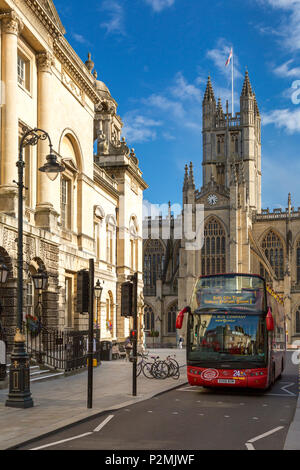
[(45, 19), (73, 64)]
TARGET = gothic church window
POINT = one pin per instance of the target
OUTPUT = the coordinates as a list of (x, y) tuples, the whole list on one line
[(172, 314), (273, 250), (148, 318), (298, 262), (298, 320), (214, 248), (154, 259)]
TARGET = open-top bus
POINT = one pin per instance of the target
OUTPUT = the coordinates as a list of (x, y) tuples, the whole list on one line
[(236, 333)]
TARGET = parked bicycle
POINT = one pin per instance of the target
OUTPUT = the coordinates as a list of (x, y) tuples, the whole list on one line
[(173, 367), (155, 368)]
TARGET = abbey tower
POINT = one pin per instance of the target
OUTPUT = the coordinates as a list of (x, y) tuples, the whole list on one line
[(239, 236)]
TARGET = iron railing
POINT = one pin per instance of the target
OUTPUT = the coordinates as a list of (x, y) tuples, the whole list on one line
[(61, 350)]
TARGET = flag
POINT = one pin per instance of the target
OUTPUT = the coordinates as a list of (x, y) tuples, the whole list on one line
[(229, 58)]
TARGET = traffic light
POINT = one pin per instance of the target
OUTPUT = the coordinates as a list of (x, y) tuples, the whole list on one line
[(82, 297), (133, 335), (126, 299)]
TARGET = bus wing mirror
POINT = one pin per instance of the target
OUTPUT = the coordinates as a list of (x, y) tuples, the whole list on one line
[(180, 317), (270, 321)]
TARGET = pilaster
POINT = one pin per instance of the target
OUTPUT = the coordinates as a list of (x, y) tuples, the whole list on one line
[(11, 28), (45, 216)]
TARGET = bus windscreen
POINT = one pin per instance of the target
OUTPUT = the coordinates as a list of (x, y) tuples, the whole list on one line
[(229, 292), (227, 337)]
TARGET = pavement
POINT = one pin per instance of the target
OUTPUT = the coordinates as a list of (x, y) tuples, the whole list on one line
[(61, 402), (292, 441)]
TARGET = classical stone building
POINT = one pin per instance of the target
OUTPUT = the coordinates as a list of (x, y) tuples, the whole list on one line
[(94, 209), (239, 236)]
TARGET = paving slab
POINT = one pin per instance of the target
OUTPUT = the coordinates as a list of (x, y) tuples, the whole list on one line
[(62, 402)]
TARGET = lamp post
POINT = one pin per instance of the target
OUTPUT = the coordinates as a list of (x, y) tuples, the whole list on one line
[(19, 381), (40, 281), (98, 289), (3, 278)]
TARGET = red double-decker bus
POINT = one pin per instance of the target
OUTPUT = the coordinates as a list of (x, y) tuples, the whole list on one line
[(236, 332)]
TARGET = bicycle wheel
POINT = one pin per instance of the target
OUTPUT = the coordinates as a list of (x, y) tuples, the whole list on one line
[(176, 367), (147, 370), (139, 368), (160, 370)]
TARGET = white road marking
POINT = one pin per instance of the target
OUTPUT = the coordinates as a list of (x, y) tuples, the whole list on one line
[(249, 444), (287, 392), (62, 441), (98, 428)]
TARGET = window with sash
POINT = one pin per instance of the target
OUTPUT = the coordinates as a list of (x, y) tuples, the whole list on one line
[(65, 203)]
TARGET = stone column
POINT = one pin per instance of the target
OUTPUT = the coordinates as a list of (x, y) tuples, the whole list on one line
[(45, 216), (11, 27)]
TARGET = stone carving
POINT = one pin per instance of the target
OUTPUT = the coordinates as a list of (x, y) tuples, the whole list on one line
[(11, 22), (102, 144), (107, 107), (45, 61), (72, 86)]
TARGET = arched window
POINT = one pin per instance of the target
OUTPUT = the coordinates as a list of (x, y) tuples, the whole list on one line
[(172, 314), (110, 240), (298, 262), (148, 318), (298, 321), (214, 248), (154, 259), (110, 312), (273, 250), (68, 195)]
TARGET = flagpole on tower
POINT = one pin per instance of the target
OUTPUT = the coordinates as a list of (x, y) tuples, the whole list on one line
[(232, 77)]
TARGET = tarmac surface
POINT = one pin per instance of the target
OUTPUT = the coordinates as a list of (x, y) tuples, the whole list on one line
[(62, 402)]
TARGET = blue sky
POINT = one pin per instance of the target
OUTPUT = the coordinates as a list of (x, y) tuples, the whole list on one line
[(155, 56)]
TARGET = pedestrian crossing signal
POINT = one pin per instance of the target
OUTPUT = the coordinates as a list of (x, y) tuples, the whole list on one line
[(133, 335)]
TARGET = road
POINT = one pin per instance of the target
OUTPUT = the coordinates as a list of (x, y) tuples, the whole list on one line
[(190, 418)]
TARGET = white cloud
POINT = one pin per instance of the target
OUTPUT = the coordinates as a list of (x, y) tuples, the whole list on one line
[(159, 5), (115, 23), (165, 104), (81, 39), (138, 128), (283, 119), (219, 55), (285, 71), (289, 28), (184, 90)]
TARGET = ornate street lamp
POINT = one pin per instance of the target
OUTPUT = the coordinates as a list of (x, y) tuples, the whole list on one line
[(98, 289), (19, 380), (3, 273), (40, 280)]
